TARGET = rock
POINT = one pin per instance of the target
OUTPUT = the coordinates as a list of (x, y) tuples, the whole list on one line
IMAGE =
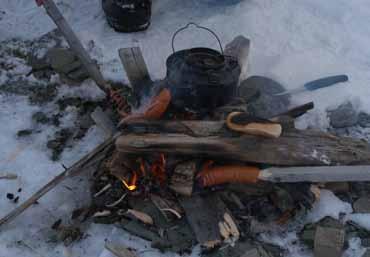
[(362, 205), (364, 120), (307, 235), (37, 63), (40, 117), (24, 132), (367, 253), (65, 62), (42, 94), (59, 142), (60, 59), (344, 116), (259, 92), (329, 242)]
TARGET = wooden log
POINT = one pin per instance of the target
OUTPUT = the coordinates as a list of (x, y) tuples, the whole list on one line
[(199, 128), (182, 180), (294, 148)]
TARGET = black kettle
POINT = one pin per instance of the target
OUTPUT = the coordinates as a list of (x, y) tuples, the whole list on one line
[(201, 79)]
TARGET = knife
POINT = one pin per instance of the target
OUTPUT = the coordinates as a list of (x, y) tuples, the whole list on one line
[(251, 174), (316, 84)]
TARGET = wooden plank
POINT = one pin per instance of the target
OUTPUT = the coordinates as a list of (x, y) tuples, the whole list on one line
[(293, 148), (136, 70)]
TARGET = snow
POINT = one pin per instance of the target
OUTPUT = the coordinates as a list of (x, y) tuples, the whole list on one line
[(292, 42), (328, 206)]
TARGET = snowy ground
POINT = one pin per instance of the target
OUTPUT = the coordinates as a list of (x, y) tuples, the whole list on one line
[(292, 41)]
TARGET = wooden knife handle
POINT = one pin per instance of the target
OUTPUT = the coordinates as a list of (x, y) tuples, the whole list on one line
[(258, 127)]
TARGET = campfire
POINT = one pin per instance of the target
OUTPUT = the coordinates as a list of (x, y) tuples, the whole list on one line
[(208, 159), (195, 166)]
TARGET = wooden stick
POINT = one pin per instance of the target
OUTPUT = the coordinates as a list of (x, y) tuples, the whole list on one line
[(88, 161)]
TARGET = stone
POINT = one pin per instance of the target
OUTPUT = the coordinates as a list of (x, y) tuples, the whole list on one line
[(60, 59), (37, 63), (367, 253), (362, 205), (24, 132), (329, 242), (344, 116), (364, 120), (40, 117), (259, 92)]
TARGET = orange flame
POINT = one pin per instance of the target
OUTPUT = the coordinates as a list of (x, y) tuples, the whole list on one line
[(132, 186), (158, 169)]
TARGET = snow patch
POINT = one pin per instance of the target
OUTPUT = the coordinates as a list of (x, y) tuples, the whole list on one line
[(328, 206)]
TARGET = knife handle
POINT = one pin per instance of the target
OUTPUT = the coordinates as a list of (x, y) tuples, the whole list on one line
[(228, 174), (325, 82)]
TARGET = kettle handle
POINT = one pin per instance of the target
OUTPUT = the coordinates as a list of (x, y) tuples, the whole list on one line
[(199, 27)]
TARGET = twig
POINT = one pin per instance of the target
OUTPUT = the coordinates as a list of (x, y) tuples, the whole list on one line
[(9, 176), (116, 202), (105, 188), (78, 167)]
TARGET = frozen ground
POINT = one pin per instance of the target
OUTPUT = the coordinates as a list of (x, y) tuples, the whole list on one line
[(292, 41)]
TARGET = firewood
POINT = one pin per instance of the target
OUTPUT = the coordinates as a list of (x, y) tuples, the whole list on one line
[(136, 70), (199, 128), (166, 207), (182, 179), (119, 250), (293, 148), (9, 176), (205, 222), (143, 217)]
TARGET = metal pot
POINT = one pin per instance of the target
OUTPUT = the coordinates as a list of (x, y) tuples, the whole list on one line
[(201, 79), (128, 15)]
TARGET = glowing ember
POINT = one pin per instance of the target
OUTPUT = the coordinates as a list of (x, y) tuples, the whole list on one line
[(132, 186)]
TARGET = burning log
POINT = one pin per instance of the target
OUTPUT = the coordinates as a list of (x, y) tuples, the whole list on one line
[(293, 148), (182, 179)]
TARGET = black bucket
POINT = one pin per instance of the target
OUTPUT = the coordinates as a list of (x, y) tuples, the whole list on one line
[(201, 79)]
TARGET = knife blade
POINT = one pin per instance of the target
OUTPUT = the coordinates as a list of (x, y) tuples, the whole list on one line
[(316, 174), (316, 84)]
